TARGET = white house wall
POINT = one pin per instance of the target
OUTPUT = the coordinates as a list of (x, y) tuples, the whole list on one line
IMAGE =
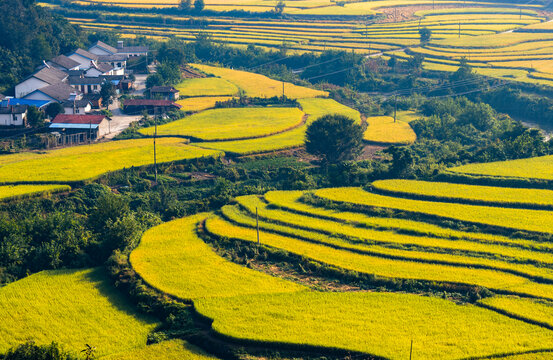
[(103, 128), (12, 119), (28, 86)]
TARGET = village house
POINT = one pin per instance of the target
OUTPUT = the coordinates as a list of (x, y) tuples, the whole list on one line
[(138, 106), (83, 57), (13, 115), (60, 92), (94, 99), (75, 107), (101, 48), (40, 104), (40, 79), (118, 61), (77, 129), (163, 92), (63, 63), (86, 85)]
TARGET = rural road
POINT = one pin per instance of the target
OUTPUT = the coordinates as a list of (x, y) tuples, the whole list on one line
[(120, 121)]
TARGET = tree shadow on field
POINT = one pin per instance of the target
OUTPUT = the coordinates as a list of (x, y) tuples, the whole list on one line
[(99, 278)]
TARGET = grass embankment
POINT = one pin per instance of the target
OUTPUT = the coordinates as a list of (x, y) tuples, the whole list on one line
[(539, 311), (73, 308), (384, 130), (232, 123), (441, 191), (174, 260), (90, 161)]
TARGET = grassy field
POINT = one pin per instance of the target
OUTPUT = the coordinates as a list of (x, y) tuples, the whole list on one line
[(201, 103), (9, 192), (233, 123), (466, 193), (210, 86), (383, 130), (165, 350), (439, 329), (529, 220), (535, 168), (89, 161), (256, 85), (174, 260), (73, 308)]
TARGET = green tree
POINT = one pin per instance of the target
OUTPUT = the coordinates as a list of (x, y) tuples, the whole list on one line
[(279, 7), (31, 351), (35, 117), (154, 80), (54, 109), (335, 138), (199, 5), (185, 5), (170, 73), (425, 34), (107, 93)]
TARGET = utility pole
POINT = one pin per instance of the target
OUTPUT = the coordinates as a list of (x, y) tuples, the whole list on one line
[(155, 135), (411, 351), (257, 225), (395, 107), (459, 29), (90, 132), (283, 91)]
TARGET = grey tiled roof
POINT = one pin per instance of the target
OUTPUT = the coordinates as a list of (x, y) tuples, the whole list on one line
[(105, 46), (65, 62)]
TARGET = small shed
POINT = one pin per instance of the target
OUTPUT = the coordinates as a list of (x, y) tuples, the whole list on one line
[(138, 106), (164, 92), (86, 126)]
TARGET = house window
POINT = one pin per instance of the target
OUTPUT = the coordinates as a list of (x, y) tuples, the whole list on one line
[(77, 110)]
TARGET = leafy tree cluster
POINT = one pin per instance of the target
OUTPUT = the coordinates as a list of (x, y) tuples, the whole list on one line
[(457, 130), (30, 34), (32, 351)]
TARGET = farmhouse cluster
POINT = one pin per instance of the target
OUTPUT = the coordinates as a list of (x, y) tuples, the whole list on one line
[(74, 81)]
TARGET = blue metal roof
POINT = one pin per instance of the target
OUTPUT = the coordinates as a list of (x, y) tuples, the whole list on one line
[(73, 126), (29, 102)]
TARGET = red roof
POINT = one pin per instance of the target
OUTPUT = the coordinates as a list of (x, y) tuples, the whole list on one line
[(78, 119), (150, 102)]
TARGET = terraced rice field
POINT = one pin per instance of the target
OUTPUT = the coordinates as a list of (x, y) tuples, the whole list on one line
[(312, 107), (233, 123), (384, 130), (210, 86), (10, 192), (74, 308), (90, 161), (191, 270), (533, 168), (195, 104), (255, 85), (509, 197), (341, 320), (387, 247), (165, 350)]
